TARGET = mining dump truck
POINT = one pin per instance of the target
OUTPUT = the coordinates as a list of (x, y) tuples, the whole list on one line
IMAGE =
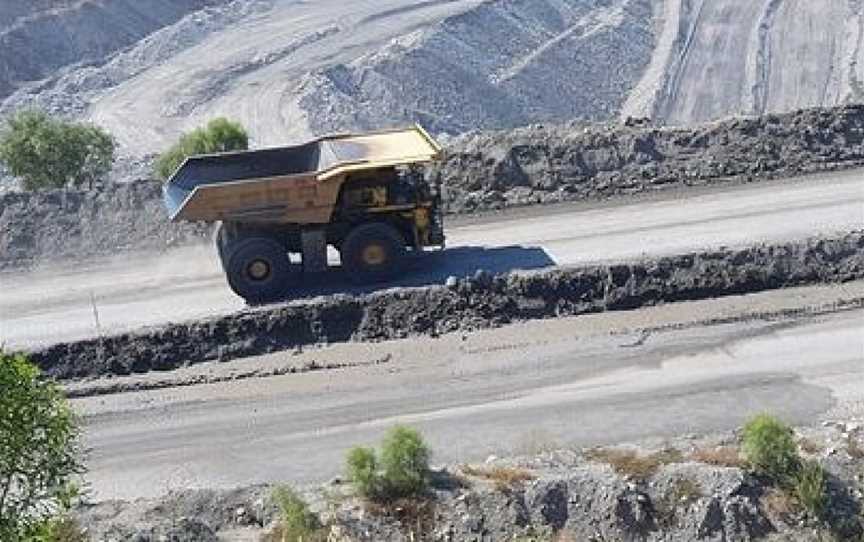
[(277, 210)]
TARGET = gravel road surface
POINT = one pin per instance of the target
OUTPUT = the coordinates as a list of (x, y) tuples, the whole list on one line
[(519, 389), (130, 291)]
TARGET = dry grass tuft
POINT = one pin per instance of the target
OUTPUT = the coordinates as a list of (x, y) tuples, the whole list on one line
[(854, 448), (416, 515), (721, 456), (505, 478), (561, 536), (629, 463), (682, 492), (809, 446), (780, 504)]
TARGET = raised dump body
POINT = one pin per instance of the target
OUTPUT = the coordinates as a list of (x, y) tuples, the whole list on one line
[(362, 194)]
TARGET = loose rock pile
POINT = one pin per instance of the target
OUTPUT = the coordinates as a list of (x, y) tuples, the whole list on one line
[(541, 164)]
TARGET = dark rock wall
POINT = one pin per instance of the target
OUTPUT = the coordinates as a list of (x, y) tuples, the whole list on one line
[(475, 303)]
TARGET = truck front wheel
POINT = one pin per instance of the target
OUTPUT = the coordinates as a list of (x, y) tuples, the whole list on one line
[(373, 253), (259, 270)]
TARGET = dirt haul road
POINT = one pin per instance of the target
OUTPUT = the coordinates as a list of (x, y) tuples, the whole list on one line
[(132, 291), (523, 388)]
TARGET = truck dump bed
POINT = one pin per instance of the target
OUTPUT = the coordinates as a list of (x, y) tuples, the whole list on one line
[(288, 184)]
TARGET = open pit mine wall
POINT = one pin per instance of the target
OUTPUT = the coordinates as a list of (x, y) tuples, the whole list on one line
[(487, 170), (38, 37), (476, 303)]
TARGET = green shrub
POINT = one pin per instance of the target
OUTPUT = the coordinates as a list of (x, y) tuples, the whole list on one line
[(39, 450), (363, 471), (811, 488), (220, 135), (49, 153), (296, 522), (405, 459), (403, 470), (769, 447), (62, 528)]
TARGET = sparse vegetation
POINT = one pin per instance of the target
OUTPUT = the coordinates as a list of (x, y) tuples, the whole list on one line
[(808, 446), (62, 528), (48, 153), (683, 492), (769, 447), (780, 504), (854, 449), (220, 135), (505, 479), (721, 456), (405, 459), (811, 488), (363, 471), (629, 463), (296, 522), (402, 472), (39, 453)]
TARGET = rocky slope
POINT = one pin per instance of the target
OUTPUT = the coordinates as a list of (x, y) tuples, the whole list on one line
[(289, 69), (694, 488), (37, 38)]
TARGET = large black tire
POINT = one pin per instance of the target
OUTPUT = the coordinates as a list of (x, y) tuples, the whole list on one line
[(373, 253), (259, 270), (221, 240)]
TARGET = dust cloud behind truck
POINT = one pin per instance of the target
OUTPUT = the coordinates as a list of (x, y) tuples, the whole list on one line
[(279, 209)]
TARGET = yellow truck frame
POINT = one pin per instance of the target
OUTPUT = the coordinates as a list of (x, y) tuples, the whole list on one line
[(363, 194)]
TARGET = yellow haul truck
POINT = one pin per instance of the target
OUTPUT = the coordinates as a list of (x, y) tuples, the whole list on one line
[(365, 195)]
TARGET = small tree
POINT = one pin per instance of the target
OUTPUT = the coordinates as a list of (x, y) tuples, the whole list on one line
[(403, 470), (49, 153), (297, 523), (811, 488), (362, 466), (770, 448), (39, 449), (405, 459), (220, 135)]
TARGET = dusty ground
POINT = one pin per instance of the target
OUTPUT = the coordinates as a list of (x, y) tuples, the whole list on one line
[(130, 291), (573, 381)]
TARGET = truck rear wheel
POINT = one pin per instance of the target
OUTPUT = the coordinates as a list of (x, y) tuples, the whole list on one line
[(259, 270), (373, 253), (222, 242)]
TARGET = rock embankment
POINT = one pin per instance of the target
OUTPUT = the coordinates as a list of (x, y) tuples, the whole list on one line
[(467, 304), (687, 489), (42, 227), (547, 163), (482, 171)]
